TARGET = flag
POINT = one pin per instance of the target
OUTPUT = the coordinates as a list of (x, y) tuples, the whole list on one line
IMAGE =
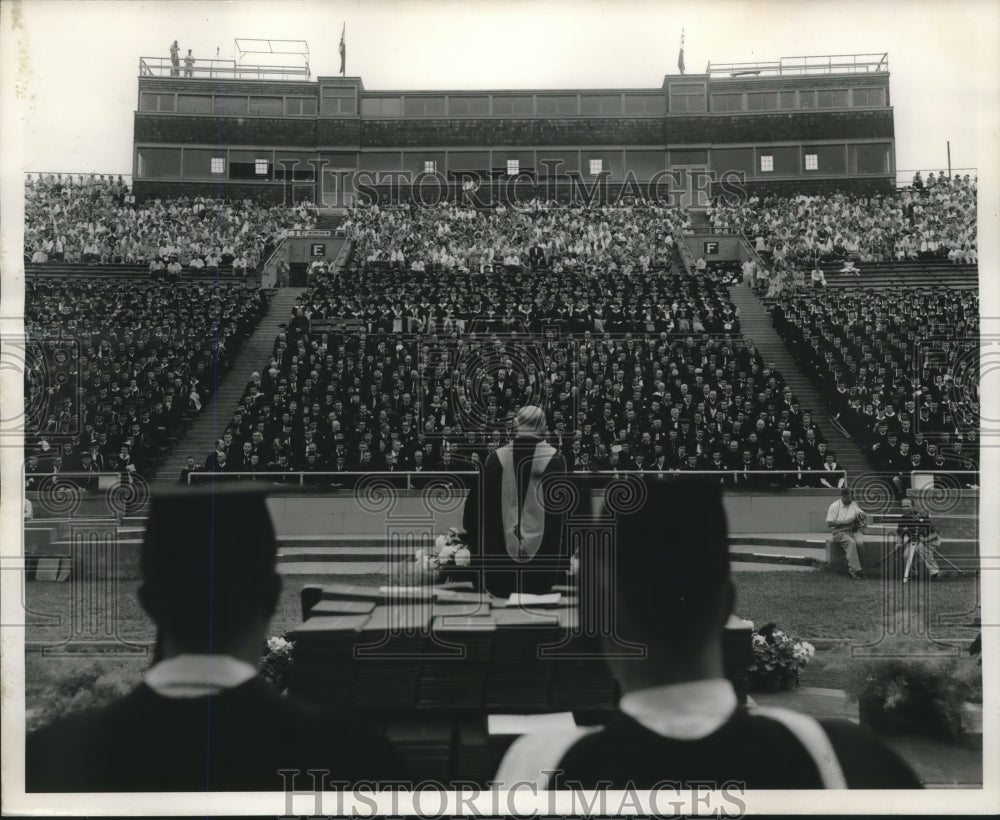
[(680, 56), (343, 50)]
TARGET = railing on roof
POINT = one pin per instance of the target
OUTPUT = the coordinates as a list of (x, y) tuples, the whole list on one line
[(798, 66), (219, 69)]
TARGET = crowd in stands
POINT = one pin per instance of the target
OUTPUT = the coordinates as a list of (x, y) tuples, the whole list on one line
[(932, 220), (540, 236), (636, 367), (118, 369), (91, 219), (891, 373)]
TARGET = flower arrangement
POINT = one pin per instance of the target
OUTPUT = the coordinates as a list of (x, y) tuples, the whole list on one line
[(276, 661), (777, 654), (433, 564)]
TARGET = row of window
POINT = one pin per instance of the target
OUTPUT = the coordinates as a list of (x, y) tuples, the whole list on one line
[(684, 98), (265, 165)]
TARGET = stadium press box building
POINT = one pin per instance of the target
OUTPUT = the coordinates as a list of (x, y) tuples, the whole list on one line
[(804, 124)]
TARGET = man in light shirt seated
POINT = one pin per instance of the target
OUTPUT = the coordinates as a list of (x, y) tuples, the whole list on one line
[(669, 590), (847, 520)]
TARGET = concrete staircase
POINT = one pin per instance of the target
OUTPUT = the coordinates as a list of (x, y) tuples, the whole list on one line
[(755, 323), (209, 425), (329, 219), (699, 220)]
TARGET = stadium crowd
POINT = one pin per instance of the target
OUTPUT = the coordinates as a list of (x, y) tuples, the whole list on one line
[(860, 348), (424, 395), (92, 218), (932, 220), (540, 236), (117, 370)]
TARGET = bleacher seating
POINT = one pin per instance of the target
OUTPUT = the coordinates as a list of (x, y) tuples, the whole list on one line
[(120, 368), (92, 219), (899, 367), (638, 366)]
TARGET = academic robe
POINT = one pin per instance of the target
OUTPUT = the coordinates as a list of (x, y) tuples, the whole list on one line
[(233, 741), (516, 538)]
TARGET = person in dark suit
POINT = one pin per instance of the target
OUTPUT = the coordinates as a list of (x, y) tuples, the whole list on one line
[(202, 720), (515, 535), (669, 590)]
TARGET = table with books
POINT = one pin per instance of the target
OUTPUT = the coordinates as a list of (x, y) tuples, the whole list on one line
[(452, 675)]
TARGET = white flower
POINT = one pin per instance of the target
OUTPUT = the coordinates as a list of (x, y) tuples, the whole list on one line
[(446, 553), (277, 644), (463, 557), (439, 543)]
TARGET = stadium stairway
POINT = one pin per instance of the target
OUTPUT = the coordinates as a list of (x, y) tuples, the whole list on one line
[(209, 425), (755, 323), (699, 220), (329, 219)]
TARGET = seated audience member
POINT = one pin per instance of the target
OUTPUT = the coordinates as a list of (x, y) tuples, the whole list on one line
[(679, 719), (202, 720), (847, 520)]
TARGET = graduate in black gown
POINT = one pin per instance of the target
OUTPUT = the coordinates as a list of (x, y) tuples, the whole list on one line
[(679, 719), (202, 720)]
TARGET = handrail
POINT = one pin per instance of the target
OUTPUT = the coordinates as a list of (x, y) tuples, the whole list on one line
[(826, 64), (269, 270), (205, 68), (299, 476)]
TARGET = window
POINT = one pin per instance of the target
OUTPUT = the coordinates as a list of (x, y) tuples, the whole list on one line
[(266, 105), (812, 162), (863, 97), (250, 165), (596, 166), (513, 167), (766, 162), (423, 106), (159, 162), (230, 105), (762, 101), (339, 100), (469, 106), (156, 102), (833, 98), (557, 105), (381, 106), (430, 166), (641, 104), (517, 106), (687, 98), (218, 165), (727, 102), (786, 99), (300, 106), (603, 104), (194, 104)]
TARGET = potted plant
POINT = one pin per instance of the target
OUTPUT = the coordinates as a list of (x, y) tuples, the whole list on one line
[(922, 695), (777, 659)]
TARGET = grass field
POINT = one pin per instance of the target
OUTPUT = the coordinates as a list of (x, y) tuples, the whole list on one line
[(829, 609)]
